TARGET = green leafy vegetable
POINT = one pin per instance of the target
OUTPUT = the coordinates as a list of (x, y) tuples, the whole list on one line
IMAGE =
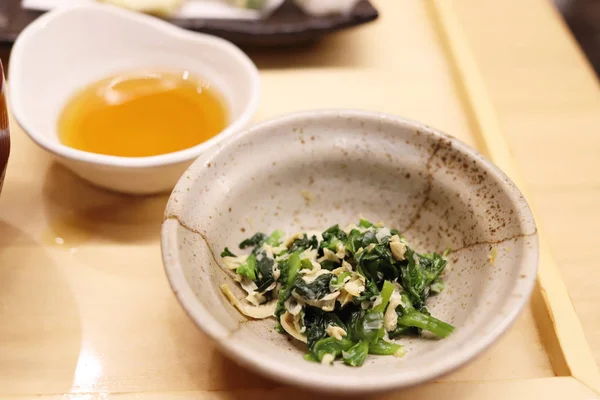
[(303, 244), (419, 273), (353, 241), (330, 265), (371, 291), (331, 346), (332, 237), (437, 286), (314, 290), (289, 269), (401, 330), (357, 354), (317, 321), (433, 265), (306, 264), (361, 282), (274, 239), (363, 223), (409, 316), (366, 326), (369, 237), (227, 253), (293, 268), (386, 293), (253, 241), (378, 261), (265, 269), (248, 269), (384, 348), (338, 282)]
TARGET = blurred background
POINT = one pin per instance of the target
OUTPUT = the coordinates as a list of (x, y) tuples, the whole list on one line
[(582, 17)]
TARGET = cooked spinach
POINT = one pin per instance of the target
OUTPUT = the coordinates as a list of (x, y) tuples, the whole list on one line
[(227, 253), (332, 237), (338, 288), (265, 271), (371, 291), (419, 274), (353, 241), (305, 243), (384, 348), (363, 223), (329, 265), (248, 269), (408, 316), (316, 322), (253, 241), (289, 269), (386, 293), (274, 239), (366, 326), (331, 346), (357, 354), (377, 263), (314, 290)]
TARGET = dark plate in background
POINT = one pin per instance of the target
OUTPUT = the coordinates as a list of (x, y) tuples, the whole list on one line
[(287, 25)]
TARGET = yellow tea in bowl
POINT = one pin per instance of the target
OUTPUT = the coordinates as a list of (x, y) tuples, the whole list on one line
[(142, 113)]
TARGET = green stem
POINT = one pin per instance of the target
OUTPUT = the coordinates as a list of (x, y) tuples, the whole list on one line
[(383, 348), (426, 322), (386, 293), (357, 354)]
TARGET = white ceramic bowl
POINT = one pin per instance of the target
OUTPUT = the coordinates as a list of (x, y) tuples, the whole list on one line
[(66, 49), (437, 191)]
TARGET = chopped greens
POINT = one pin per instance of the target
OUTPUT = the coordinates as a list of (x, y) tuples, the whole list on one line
[(314, 290), (344, 292), (254, 241), (248, 269)]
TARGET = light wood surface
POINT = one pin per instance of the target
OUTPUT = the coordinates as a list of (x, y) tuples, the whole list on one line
[(547, 100), (557, 321), (544, 388), (96, 315)]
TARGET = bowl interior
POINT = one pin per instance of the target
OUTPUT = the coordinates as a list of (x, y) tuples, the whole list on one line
[(310, 171), (66, 50)]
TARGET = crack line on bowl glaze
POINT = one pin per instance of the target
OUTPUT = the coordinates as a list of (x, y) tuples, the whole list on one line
[(192, 230), (214, 257), (491, 242), (202, 235), (429, 187), (446, 141), (427, 192), (204, 238)]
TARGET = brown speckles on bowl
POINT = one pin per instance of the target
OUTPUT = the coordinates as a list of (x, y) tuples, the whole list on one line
[(440, 193)]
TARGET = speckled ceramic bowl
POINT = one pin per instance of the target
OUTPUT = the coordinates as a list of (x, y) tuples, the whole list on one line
[(313, 169)]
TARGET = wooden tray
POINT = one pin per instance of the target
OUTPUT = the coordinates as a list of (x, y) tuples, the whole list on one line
[(92, 313)]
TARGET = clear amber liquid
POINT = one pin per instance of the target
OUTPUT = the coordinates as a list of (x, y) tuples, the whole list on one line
[(143, 113)]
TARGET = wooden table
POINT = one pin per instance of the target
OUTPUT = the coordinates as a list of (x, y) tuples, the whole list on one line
[(548, 101), (95, 315)]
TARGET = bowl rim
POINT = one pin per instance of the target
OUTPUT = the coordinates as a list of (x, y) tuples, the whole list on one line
[(512, 306), (55, 146)]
